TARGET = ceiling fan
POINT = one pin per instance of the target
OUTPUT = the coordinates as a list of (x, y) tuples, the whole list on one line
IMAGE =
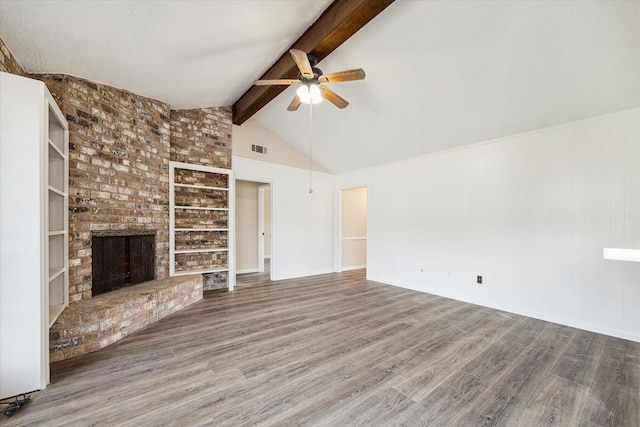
[(313, 82)]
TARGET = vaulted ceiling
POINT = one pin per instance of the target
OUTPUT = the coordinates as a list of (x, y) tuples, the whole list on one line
[(440, 74)]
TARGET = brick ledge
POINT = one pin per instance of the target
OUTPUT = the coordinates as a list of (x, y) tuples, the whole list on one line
[(95, 323)]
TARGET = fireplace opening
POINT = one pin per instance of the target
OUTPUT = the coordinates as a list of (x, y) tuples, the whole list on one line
[(121, 258)]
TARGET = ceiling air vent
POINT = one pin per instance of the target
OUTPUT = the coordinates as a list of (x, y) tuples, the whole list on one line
[(258, 149)]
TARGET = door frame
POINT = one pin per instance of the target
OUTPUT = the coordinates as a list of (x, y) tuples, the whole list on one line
[(339, 211), (264, 182), (261, 230)]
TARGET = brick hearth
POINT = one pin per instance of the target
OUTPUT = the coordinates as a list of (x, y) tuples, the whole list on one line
[(92, 324)]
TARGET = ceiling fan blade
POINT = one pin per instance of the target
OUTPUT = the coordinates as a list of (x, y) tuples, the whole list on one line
[(295, 103), (333, 97), (276, 82), (302, 62), (342, 76)]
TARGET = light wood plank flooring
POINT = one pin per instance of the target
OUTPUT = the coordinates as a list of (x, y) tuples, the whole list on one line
[(337, 350)]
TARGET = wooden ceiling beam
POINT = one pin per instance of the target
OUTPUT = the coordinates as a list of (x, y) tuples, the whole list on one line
[(341, 20)]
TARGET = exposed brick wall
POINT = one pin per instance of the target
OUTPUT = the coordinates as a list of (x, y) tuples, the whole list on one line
[(8, 62), (202, 136), (118, 169), (120, 144)]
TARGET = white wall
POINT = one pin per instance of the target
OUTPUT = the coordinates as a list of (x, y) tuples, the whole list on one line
[(278, 150), (303, 224), (530, 213)]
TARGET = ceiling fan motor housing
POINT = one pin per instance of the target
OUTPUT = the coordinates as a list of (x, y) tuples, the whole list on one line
[(317, 72)]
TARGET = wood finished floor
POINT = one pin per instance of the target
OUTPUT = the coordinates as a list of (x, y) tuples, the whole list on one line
[(337, 350)]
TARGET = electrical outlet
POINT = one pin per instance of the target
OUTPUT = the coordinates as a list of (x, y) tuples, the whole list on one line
[(479, 280)]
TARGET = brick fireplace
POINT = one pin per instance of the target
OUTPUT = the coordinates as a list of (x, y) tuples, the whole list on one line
[(120, 145)]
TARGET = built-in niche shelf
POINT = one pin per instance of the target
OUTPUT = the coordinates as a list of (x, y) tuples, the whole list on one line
[(34, 244), (200, 220), (628, 250)]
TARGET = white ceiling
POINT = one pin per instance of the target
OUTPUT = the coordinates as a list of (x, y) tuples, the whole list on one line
[(440, 74), (190, 54)]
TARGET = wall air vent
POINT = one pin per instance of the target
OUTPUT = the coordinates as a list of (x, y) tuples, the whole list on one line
[(258, 149)]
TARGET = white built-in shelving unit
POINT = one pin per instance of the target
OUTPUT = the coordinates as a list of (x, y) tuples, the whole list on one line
[(201, 220), (34, 230)]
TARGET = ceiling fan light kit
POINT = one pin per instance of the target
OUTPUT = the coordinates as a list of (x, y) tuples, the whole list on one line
[(313, 82), (309, 94)]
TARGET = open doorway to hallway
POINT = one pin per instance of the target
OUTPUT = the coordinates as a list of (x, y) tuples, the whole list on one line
[(253, 228), (354, 228)]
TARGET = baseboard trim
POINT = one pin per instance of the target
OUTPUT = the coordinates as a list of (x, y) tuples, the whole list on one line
[(354, 267), (247, 270)]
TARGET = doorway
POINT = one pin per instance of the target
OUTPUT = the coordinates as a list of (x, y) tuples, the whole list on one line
[(264, 228), (253, 228), (354, 228)]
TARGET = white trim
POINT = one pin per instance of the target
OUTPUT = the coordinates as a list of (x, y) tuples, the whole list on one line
[(337, 260), (204, 187), (354, 267), (200, 208), (247, 270), (231, 234), (274, 233), (261, 228), (203, 271), (628, 250), (201, 229), (267, 257), (172, 221), (307, 274), (198, 251)]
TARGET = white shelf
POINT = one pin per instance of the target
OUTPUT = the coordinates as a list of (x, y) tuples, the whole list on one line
[(205, 187), (200, 251), (57, 191), (54, 272), (628, 250), (57, 150), (203, 271), (40, 163), (54, 312), (201, 229), (201, 215), (200, 208)]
